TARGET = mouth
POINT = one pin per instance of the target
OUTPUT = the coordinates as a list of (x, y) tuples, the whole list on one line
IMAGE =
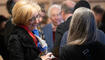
[(33, 25)]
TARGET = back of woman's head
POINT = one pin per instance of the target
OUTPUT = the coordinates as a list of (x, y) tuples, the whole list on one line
[(82, 26)]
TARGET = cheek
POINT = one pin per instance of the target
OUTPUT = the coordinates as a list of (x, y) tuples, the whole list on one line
[(60, 17), (40, 19), (53, 20), (99, 18)]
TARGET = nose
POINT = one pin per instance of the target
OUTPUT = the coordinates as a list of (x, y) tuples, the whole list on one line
[(57, 17), (37, 21), (40, 19)]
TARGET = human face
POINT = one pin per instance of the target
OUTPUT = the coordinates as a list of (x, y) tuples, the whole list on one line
[(34, 21), (63, 15), (98, 17), (55, 16), (42, 14)]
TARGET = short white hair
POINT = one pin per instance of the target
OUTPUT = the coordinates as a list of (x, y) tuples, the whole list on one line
[(53, 6)]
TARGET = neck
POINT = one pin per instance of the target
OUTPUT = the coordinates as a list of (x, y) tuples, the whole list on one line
[(66, 16), (54, 27)]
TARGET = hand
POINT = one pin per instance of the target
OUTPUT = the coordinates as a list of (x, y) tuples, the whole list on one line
[(48, 56), (45, 57)]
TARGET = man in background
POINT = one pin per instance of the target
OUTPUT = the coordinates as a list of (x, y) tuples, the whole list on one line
[(67, 11)]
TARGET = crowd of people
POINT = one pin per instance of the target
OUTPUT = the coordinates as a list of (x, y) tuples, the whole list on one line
[(67, 31)]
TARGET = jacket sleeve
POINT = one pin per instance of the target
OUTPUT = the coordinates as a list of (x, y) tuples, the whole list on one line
[(63, 40), (14, 48), (58, 37), (38, 58)]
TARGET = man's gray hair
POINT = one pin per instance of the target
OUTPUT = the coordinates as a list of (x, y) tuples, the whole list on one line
[(53, 6)]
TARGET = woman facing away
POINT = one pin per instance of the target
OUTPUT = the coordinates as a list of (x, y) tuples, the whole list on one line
[(81, 43), (22, 43)]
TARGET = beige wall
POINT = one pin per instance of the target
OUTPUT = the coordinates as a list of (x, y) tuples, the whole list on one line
[(4, 12), (98, 3)]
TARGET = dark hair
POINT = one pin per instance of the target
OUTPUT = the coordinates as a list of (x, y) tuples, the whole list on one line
[(98, 9), (82, 3), (9, 6), (2, 18), (103, 18), (82, 0), (68, 8), (102, 25)]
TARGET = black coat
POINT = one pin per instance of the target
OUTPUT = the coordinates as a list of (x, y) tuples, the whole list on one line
[(8, 28), (3, 48), (3, 51), (90, 51), (102, 27), (61, 29), (21, 45)]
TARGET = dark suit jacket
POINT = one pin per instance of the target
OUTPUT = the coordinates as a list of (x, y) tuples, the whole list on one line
[(61, 29), (48, 32)]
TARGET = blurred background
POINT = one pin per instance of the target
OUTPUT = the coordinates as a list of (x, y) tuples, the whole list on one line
[(46, 4)]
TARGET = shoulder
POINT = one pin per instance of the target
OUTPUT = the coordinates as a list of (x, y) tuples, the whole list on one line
[(47, 26), (71, 49), (100, 36), (94, 50), (65, 34), (99, 32), (18, 30), (21, 35), (64, 26), (60, 27), (18, 33), (69, 52), (69, 19), (64, 38), (97, 45), (97, 50)]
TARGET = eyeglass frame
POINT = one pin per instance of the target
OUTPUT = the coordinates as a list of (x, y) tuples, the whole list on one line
[(35, 17)]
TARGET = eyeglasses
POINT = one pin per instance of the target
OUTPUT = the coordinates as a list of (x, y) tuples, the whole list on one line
[(35, 17)]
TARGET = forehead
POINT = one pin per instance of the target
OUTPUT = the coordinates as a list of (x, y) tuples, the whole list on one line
[(55, 11)]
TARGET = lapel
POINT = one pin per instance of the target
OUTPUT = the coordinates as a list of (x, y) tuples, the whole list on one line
[(47, 30)]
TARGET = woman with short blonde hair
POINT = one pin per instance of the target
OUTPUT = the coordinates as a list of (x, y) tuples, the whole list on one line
[(22, 43), (24, 11)]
